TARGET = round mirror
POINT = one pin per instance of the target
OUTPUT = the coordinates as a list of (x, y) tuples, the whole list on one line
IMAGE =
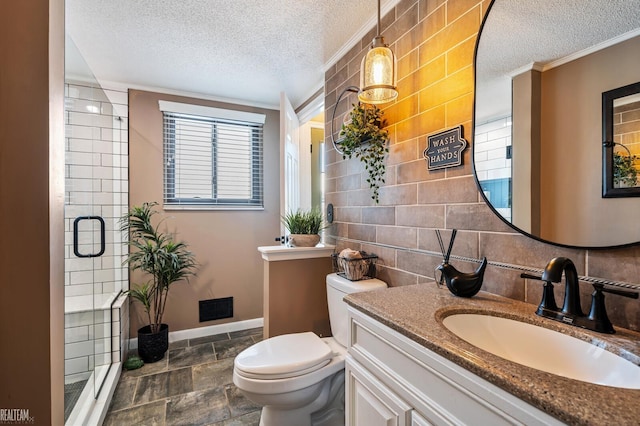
[(539, 152)]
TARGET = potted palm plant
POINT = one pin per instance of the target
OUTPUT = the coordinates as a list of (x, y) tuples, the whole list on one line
[(304, 227), (165, 262)]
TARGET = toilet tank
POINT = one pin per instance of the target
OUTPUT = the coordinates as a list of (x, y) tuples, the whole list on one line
[(337, 288)]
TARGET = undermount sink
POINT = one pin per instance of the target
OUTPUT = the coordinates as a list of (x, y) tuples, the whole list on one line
[(544, 349)]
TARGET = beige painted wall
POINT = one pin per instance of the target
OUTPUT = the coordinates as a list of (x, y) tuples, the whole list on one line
[(300, 304), (225, 242), (525, 196), (572, 149), (434, 41), (317, 137), (31, 207)]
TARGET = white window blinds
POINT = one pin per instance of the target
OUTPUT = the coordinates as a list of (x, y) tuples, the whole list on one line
[(212, 162)]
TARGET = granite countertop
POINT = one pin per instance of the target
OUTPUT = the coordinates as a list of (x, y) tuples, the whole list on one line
[(417, 311)]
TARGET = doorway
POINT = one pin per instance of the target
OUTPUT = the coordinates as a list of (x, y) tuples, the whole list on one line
[(303, 177)]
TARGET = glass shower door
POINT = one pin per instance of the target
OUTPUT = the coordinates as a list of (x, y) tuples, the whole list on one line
[(95, 198)]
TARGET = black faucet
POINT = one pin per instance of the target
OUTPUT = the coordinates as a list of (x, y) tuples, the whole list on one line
[(571, 311), (553, 273)]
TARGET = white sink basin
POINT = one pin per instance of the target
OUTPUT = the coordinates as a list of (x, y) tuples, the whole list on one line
[(544, 350)]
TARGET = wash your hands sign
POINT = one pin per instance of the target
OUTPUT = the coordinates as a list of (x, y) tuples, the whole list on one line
[(444, 149)]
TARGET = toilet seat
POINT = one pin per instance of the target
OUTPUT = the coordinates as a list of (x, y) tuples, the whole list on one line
[(285, 356)]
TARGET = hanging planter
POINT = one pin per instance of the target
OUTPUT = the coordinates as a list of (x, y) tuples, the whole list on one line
[(363, 137), (625, 173)]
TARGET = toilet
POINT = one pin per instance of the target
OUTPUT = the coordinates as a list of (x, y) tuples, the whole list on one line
[(299, 378)]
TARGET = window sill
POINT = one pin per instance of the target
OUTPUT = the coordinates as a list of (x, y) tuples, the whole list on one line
[(212, 207)]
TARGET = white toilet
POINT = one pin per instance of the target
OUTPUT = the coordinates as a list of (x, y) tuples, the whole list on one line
[(299, 378)]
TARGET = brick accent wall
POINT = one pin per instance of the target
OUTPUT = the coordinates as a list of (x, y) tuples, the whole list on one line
[(434, 41)]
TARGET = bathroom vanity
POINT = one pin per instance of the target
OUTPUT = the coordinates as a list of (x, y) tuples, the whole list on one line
[(405, 368)]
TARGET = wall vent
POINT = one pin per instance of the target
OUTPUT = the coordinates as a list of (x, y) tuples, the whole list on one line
[(214, 309)]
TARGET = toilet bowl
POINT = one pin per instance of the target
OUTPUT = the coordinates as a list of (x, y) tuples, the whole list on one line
[(299, 378)]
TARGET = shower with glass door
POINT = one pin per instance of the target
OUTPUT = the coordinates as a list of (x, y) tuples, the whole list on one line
[(96, 196)]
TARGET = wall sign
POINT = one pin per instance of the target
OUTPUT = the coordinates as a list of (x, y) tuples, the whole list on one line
[(444, 149)]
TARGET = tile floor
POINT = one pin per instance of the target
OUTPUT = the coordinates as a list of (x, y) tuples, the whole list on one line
[(192, 386)]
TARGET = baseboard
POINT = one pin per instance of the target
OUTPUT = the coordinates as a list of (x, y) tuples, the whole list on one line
[(210, 330)]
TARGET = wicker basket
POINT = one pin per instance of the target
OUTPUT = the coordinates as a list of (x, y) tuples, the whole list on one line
[(355, 269)]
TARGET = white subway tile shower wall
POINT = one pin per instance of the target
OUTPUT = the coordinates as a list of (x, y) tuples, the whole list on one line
[(96, 184), (491, 141)]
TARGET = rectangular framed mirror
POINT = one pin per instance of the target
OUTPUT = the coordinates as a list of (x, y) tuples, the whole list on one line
[(621, 142)]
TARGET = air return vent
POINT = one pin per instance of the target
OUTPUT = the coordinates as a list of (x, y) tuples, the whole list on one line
[(214, 309)]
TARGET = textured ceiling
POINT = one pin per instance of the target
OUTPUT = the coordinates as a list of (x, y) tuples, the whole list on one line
[(251, 50), (248, 50), (518, 33)]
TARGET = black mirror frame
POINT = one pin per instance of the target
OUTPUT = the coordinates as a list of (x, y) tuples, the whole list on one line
[(608, 190), (475, 174)]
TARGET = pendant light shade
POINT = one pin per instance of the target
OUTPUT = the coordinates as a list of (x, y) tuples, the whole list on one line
[(378, 72)]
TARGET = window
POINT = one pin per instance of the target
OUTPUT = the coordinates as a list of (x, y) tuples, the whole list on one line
[(212, 157)]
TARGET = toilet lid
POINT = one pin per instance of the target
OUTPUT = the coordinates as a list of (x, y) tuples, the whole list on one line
[(284, 356)]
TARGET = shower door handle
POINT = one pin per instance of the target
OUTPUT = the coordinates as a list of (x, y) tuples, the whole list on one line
[(75, 236)]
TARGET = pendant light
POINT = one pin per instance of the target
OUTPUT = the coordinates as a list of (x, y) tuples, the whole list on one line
[(378, 72)]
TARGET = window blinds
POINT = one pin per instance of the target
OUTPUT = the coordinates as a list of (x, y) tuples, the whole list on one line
[(212, 162)]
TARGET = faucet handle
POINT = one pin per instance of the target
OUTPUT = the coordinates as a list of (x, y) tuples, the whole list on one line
[(531, 277), (548, 301), (598, 312), (625, 293)]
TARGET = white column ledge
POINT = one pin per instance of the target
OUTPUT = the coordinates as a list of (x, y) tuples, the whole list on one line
[(281, 252)]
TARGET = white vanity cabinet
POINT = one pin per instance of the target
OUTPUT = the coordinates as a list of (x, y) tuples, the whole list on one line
[(371, 402), (392, 380)]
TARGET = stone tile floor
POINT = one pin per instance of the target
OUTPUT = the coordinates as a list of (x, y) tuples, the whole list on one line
[(192, 386)]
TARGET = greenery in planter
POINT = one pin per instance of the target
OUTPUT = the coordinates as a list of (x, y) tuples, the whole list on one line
[(364, 138), (304, 222), (624, 170), (158, 255)]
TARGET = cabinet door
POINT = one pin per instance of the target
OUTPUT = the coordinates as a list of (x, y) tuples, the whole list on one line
[(418, 420), (370, 403)]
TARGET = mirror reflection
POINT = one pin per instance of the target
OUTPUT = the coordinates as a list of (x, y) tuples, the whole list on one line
[(621, 134), (538, 135)]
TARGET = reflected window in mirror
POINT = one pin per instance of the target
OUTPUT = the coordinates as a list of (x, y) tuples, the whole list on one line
[(621, 146)]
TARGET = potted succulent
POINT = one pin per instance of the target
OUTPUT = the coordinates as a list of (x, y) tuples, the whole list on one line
[(363, 137), (304, 227), (165, 261)]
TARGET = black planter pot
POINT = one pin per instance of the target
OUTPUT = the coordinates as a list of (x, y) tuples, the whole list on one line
[(153, 346)]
